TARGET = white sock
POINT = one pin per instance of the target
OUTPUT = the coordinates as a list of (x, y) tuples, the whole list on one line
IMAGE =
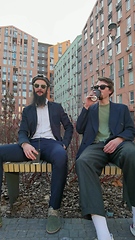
[(101, 227), (133, 212)]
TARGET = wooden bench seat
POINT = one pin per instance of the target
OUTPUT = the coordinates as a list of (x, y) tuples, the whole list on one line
[(41, 166), (13, 169), (29, 166)]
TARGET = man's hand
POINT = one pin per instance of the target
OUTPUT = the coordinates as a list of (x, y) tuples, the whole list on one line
[(111, 146), (88, 101), (64, 147), (29, 151)]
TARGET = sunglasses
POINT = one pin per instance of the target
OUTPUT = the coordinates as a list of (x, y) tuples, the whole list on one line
[(43, 86), (102, 87)]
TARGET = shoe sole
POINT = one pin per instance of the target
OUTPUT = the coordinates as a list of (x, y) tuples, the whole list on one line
[(53, 231)]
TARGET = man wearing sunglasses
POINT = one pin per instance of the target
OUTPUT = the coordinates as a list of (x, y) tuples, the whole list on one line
[(40, 137), (108, 134)]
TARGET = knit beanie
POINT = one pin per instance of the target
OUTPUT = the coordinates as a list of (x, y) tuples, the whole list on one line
[(41, 77)]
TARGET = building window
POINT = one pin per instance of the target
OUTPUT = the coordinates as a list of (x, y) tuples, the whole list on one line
[(103, 72), (24, 102), (119, 14), (4, 61), (110, 8), (102, 45), (60, 49), (101, 3), (97, 35), (118, 32), (91, 67), (110, 54), (121, 64), (103, 59), (92, 80), (92, 41), (131, 97), (85, 33), (127, 5), (118, 48), (91, 29), (97, 22), (131, 78), (119, 98), (85, 71), (97, 8), (102, 30), (102, 17), (111, 69), (121, 81), (129, 40), (129, 22), (91, 55), (91, 17), (109, 40), (130, 58)]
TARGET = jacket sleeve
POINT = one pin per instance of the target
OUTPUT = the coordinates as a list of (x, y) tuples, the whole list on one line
[(82, 121), (68, 127), (23, 133), (128, 126)]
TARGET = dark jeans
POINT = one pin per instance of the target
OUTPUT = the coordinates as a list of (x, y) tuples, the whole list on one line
[(52, 152), (89, 167)]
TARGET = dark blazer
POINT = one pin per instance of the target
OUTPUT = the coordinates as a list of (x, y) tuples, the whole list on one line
[(57, 118), (120, 124)]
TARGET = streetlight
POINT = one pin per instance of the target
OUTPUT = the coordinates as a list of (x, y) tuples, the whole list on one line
[(113, 31)]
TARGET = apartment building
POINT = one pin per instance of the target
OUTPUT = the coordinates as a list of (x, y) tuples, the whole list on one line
[(109, 53), (21, 58), (67, 79), (43, 58), (54, 54), (18, 64)]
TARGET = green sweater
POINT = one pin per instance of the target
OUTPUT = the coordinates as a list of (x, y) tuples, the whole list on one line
[(103, 131)]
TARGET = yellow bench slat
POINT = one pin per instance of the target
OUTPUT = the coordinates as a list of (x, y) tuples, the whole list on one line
[(6, 167), (27, 167)]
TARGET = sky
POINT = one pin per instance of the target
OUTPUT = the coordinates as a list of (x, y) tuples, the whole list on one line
[(50, 21)]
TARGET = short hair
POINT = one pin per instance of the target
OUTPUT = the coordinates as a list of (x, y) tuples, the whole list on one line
[(109, 82)]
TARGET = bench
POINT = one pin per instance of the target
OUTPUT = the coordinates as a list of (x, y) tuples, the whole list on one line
[(13, 169)]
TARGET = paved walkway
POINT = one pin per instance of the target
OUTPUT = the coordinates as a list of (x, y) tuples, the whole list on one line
[(72, 229)]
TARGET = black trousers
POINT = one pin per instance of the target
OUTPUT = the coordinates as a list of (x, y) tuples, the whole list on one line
[(89, 167), (52, 152)]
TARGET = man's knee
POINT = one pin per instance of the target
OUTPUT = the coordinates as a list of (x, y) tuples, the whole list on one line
[(61, 159), (79, 162)]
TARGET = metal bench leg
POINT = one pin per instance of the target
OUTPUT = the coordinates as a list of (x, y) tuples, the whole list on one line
[(12, 180)]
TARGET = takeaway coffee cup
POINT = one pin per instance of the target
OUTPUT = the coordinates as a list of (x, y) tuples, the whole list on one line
[(37, 157), (95, 94)]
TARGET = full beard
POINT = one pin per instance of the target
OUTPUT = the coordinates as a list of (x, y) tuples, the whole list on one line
[(39, 101)]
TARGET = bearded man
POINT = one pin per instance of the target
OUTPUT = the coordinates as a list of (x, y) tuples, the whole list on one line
[(40, 135)]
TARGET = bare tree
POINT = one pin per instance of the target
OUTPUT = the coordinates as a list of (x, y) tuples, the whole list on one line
[(9, 120)]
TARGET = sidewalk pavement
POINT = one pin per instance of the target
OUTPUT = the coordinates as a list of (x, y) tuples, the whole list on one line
[(72, 229)]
